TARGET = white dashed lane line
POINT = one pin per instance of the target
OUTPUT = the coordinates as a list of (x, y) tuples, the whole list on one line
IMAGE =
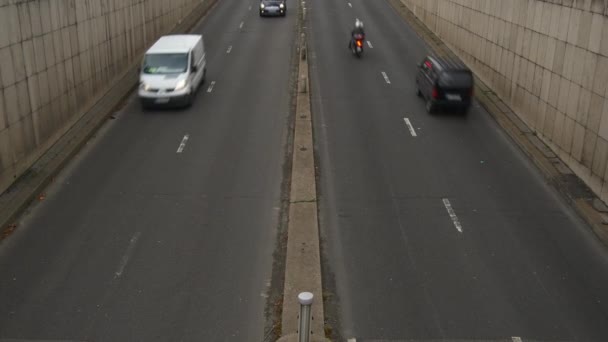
[(386, 78), (229, 49), (370, 44), (350, 5), (452, 213), (410, 127), (182, 144), (210, 89), (125, 258), (241, 25)]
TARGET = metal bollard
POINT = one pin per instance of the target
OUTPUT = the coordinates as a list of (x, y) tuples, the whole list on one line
[(305, 299)]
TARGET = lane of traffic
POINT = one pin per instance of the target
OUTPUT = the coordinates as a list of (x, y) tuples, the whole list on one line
[(403, 185), (190, 234), (358, 218)]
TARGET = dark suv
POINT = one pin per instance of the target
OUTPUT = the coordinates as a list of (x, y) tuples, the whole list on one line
[(445, 82)]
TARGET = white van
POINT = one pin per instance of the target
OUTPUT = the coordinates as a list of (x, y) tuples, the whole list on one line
[(172, 70)]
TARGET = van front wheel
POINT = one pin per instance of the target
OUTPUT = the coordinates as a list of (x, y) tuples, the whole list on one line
[(189, 100)]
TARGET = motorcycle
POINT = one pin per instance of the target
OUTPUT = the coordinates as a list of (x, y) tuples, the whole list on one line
[(357, 45)]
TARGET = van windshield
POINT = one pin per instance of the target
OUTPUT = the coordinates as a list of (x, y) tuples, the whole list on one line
[(458, 79), (165, 63)]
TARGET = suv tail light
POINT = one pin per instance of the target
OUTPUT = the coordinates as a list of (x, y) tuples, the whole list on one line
[(435, 93)]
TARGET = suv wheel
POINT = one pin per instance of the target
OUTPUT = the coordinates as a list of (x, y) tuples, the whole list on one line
[(465, 110), (430, 107)]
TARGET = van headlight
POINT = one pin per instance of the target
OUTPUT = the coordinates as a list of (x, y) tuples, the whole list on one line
[(281, 6), (144, 86), (180, 85), (262, 6)]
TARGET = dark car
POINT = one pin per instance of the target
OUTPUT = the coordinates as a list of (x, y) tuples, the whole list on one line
[(273, 7), (445, 83)]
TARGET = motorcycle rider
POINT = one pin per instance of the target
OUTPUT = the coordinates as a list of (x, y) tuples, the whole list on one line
[(357, 31)]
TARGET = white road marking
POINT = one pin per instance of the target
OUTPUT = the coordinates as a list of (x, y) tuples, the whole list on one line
[(516, 339), (448, 207), (182, 145), (210, 89), (241, 25), (386, 78), (411, 128), (125, 258), (229, 49), (250, 8), (350, 5), (352, 340), (370, 44)]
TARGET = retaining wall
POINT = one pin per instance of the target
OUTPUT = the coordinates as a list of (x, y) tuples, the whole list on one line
[(548, 59), (58, 57)]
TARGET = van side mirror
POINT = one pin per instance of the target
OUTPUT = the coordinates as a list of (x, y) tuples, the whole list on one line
[(194, 68)]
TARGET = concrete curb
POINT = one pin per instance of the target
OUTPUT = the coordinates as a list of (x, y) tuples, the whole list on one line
[(582, 199), (303, 259), (27, 188), (294, 338)]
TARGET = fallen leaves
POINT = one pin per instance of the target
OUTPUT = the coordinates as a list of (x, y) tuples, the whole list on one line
[(8, 231)]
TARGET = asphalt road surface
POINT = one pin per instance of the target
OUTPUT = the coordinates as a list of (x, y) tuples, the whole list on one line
[(143, 240), (450, 233)]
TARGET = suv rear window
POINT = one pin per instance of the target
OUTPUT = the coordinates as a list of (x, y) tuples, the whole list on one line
[(456, 79)]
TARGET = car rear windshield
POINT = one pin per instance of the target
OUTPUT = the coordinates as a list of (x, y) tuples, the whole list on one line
[(165, 63), (456, 79)]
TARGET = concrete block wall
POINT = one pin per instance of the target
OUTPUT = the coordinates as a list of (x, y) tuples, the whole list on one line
[(548, 59), (57, 57)]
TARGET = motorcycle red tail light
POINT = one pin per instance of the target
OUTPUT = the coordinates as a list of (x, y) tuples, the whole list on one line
[(359, 43)]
